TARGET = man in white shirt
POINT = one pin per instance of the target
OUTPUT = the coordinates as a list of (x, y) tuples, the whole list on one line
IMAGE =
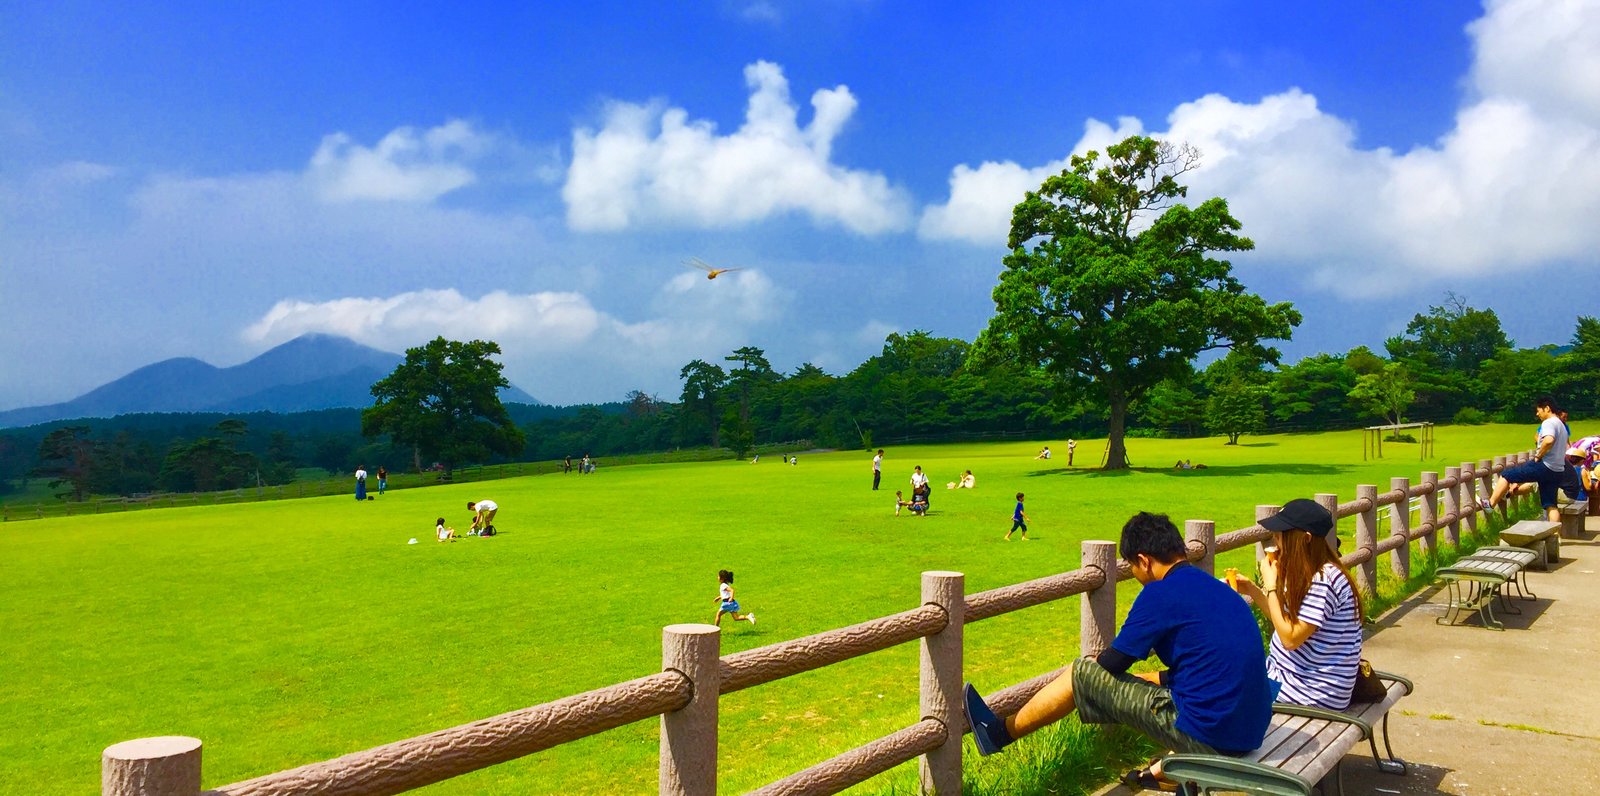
[(877, 469), (483, 516), (1546, 468)]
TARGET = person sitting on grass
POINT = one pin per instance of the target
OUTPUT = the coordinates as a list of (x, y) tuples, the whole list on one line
[(919, 501), (968, 481), (444, 532), (1214, 695)]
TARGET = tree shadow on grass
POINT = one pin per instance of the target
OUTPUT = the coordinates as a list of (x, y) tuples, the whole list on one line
[(1218, 471)]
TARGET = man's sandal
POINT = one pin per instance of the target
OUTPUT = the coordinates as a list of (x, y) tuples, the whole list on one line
[(1140, 779)]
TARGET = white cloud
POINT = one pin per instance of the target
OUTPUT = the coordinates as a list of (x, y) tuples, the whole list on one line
[(1515, 183), (542, 320), (405, 166), (548, 336), (652, 166)]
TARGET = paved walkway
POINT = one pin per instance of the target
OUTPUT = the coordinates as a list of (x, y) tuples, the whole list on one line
[(1513, 712)]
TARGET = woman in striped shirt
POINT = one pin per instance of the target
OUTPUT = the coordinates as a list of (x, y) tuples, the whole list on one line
[(1313, 606)]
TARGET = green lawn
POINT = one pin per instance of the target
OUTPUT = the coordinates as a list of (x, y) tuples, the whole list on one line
[(287, 632)]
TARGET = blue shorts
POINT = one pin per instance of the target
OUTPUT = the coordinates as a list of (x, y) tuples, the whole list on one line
[(730, 607), (1534, 472)]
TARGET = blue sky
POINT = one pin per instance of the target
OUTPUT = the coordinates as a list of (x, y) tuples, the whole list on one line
[(199, 180)]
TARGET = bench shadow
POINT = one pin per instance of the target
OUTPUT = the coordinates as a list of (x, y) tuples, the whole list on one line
[(1468, 620), (1361, 775)]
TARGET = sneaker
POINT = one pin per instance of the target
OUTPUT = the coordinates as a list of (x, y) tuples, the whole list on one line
[(751, 617), (988, 731), (1484, 503)]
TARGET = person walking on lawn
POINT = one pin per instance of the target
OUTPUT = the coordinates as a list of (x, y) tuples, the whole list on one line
[(1213, 697)]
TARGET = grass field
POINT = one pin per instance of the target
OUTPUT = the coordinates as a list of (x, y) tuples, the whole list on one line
[(292, 631)]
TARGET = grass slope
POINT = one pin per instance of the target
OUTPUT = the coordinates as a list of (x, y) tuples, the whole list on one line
[(287, 632)]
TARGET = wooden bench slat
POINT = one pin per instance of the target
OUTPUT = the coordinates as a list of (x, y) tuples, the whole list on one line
[(1282, 730)]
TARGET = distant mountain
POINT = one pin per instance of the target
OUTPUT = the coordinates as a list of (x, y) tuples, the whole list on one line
[(316, 371)]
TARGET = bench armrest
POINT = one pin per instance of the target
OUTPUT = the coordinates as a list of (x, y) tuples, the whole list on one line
[(1232, 773), (1395, 678), (1325, 714)]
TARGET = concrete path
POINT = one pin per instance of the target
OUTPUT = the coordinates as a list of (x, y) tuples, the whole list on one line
[(1513, 712)]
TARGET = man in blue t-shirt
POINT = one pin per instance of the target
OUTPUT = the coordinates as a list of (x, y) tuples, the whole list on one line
[(1214, 695)]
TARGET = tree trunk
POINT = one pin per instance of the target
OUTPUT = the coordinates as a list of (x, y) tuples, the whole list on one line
[(1116, 449), (416, 457)]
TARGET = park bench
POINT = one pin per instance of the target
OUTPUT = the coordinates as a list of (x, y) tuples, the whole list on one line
[(1572, 514), (1302, 749), (1540, 536)]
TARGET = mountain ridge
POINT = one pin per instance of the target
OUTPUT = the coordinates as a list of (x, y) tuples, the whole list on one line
[(310, 372)]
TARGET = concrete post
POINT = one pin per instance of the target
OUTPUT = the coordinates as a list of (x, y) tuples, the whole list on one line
[(1330, 501), (1367, 539), (1428, 545), (689, 735), (1204, 532), (165, 766), (1452, 506), (1097, 616), (940, 770), (1469, 497), (1263, 512), (1400, 525)]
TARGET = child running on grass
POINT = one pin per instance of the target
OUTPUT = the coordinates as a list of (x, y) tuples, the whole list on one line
[(726, 603), (1019, 519)]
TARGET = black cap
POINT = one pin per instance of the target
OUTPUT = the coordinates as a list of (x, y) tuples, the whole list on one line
[(1301, 515)]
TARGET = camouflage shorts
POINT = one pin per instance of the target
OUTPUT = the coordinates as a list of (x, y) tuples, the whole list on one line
[(1106, 698)]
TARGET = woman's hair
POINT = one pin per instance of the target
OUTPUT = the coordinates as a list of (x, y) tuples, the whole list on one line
[(1301, 557), (725, 575), (439, 521)]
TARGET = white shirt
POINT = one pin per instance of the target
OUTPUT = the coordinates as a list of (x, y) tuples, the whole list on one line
[(877, 462), (487, 505), (918, 479), (361, 475)]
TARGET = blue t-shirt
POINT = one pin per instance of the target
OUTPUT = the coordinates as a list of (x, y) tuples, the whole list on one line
[(1017, 515), (1207, 637)]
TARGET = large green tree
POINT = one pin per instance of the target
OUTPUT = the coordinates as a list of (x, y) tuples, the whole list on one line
[(1109, 286), (443, 400)]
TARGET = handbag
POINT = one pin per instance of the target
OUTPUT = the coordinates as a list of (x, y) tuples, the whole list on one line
[(1369, 687)]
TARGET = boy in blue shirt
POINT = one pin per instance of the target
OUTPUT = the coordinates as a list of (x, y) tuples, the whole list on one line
[(1214, 695)]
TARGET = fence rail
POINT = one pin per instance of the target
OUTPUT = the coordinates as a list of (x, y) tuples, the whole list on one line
[(685, 693)]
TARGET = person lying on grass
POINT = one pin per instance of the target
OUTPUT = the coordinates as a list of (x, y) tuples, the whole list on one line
[(1214, 695)]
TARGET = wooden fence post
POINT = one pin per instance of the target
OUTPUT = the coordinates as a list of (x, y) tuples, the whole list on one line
[(1263, 512), (1367, 539), (1097, 615), (1204, 532), (164, 766), (1400, 525), (1428, 545), (1488, 486), (939, 771), (1330, 502), (1469, 497), (1452, 506), (1486, 482), (689, 734)]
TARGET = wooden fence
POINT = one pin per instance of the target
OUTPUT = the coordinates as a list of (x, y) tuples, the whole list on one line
[(694, 674)]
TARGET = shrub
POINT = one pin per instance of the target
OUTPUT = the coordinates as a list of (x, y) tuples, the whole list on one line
[(1470, 417)]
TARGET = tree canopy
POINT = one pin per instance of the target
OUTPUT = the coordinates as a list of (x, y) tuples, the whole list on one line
[(1112, 302), (443, 400)]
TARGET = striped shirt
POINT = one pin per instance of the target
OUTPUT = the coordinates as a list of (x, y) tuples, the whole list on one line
[(1321, 672)]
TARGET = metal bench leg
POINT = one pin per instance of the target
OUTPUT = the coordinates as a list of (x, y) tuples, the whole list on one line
[(1486, 613), (1522, 586), (1453, 604), (1389, 764), (1505, 602)]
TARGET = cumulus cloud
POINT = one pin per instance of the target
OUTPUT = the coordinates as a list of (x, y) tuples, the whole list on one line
[(546, 320), (649, 165), (1512, 185), (405, 166), (546, 335)]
